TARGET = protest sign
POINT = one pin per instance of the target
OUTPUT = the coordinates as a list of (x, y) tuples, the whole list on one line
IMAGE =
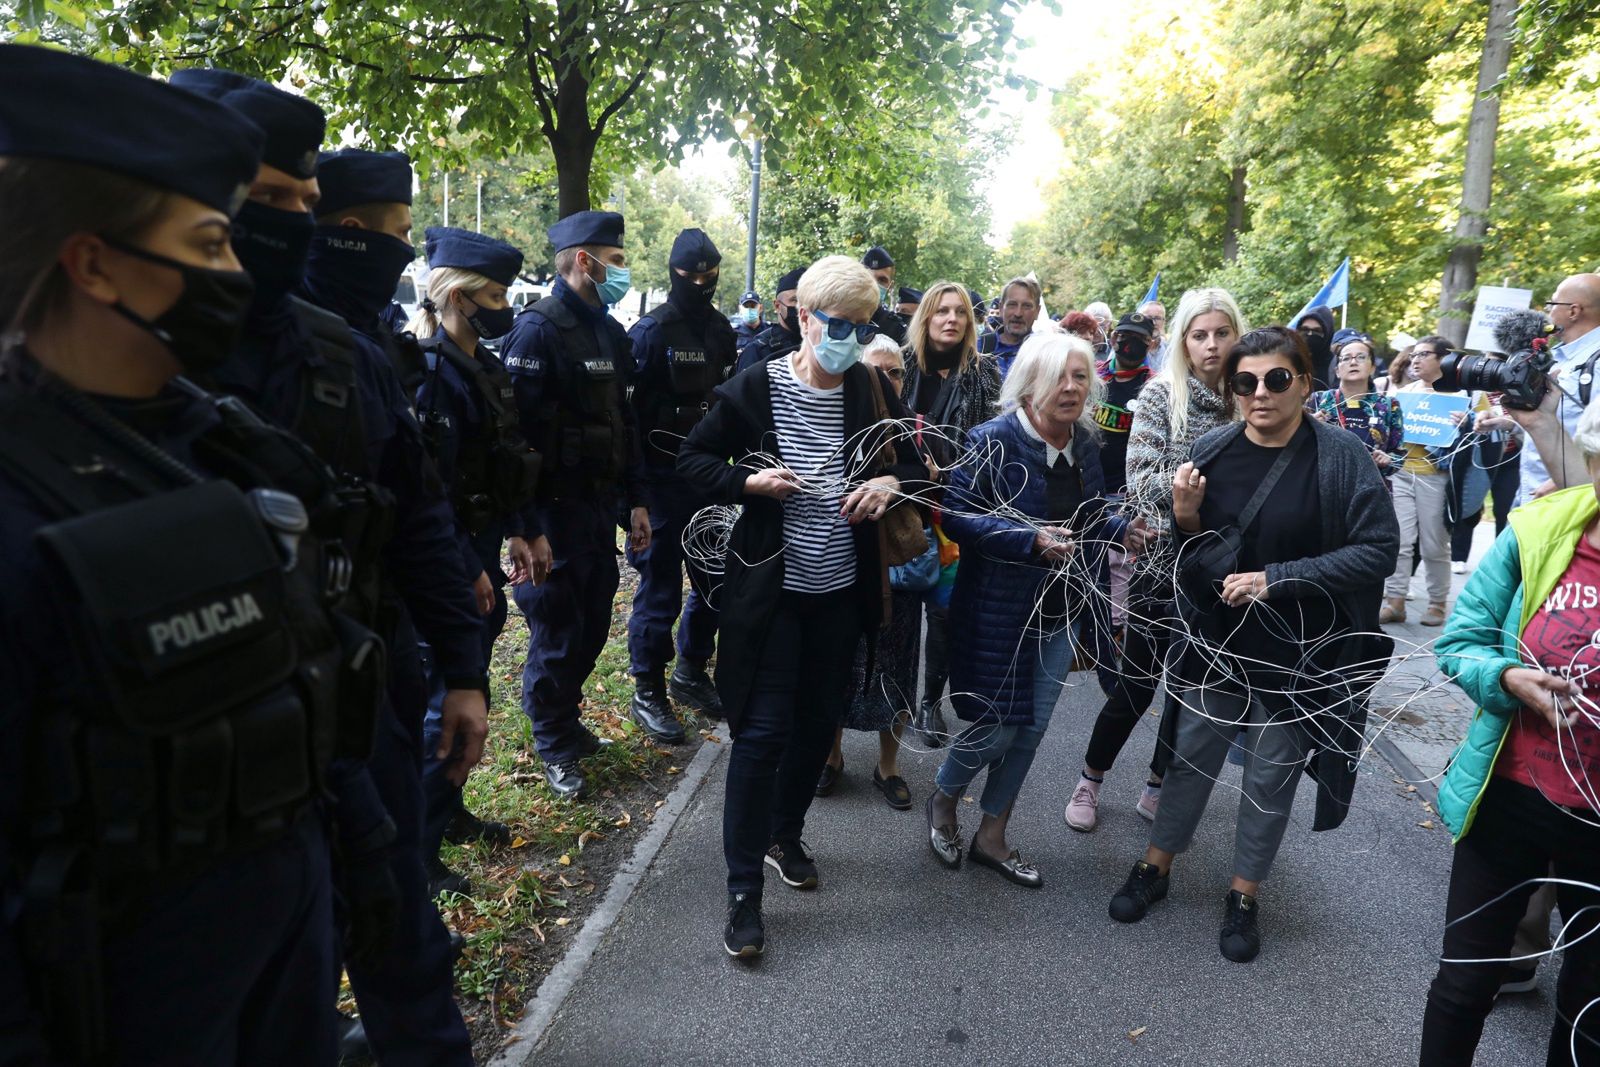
[(1427, 417), (1493, 303)]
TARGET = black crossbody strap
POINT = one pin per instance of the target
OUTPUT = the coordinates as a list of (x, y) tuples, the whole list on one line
[(1259, 497)]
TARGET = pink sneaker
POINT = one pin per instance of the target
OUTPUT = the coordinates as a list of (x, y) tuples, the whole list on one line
[(1084, 807), (1149, 800)]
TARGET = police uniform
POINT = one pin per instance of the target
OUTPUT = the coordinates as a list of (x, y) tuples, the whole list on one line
[(173, 682), (779, 339), (888, 322), (569, 360), (305, 370), (744, 333), (467, 407), (682, 350)]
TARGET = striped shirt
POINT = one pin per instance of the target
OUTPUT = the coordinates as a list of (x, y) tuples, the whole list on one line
[(820, 550)]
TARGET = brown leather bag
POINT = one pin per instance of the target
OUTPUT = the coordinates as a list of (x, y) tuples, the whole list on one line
[(900, 535)]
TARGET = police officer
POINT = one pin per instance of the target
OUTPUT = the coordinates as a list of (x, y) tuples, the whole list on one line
[(783, 336), (569, 360), (170, 668), (749, 323), (305, 370), (469, 418), (881, 266), (682, 350)]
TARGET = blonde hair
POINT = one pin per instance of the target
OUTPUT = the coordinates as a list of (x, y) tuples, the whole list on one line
[(1041, 363), (443, 281), (922, 325), (841, 284), (1178, 369)]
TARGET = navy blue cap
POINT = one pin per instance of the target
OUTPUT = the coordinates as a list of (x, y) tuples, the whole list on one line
[(909, 295), (59, 106), (294, 125), (750, 297), (354, 176), (976, 298), (587, 228), (790, 281), (877, 258), (693, 251), (466, 250)]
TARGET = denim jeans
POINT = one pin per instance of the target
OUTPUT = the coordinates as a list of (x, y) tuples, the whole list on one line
[(1008, 750)]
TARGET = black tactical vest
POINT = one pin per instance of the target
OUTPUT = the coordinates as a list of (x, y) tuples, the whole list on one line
[(211, 682), (496, 472), (584, 434), (699, 358)]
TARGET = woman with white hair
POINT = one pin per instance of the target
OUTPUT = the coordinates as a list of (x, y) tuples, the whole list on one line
[(1520, 794), (1028, 509)]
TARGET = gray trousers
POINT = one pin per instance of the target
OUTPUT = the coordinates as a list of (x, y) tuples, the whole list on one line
[(1275, 746)]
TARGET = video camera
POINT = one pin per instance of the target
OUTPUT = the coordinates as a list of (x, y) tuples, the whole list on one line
[(1522, 377)]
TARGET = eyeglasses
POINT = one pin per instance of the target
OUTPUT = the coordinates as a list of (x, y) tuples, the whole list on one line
[(1548, 304), (840, 328), (1278, 380), (1356, 357), (896, 375), (1419, 353)]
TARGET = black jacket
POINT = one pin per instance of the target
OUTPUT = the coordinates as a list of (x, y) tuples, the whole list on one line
[(739, 425)]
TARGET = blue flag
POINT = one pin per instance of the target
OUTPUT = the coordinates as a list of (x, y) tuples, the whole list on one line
[(1155, 290), (1335, 292)]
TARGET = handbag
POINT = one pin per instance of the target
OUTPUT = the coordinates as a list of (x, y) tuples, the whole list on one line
[(1216, 555), (900, 531)]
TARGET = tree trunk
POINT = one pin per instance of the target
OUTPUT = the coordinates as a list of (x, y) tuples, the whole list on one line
[(574, 162), (1236, 207), (1477, 179)]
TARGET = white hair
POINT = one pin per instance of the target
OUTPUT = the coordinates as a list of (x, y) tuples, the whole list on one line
[(881, 343), (1040, 365), (1100, 310), (1587, 435)]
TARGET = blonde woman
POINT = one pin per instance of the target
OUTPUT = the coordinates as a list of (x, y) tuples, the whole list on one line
[(951, 388), (1180, 404)]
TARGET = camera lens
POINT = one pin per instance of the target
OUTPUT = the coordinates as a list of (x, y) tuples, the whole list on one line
[(1464, 370)]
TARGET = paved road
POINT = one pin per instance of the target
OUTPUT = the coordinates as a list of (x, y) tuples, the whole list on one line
[(896, 960)]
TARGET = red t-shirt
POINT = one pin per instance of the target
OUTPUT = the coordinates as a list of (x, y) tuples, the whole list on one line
[(1563, 637)]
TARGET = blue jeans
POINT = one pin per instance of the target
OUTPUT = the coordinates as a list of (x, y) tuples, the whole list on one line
[(1008, 750)]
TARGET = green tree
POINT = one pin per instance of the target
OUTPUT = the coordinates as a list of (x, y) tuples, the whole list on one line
[(644, 81)]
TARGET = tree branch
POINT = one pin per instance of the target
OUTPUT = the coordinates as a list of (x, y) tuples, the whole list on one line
[(631, 88)]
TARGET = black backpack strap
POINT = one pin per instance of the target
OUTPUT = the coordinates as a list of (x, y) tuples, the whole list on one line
[(666, 314), (1264, 490), (330, 412)]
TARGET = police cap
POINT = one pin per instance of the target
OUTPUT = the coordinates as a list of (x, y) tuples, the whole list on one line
[(693, 251), (909, 295), (294, 125), (603, 228), (466, 250), (355, 176), (790, 282), (59, 106), (877, 258), (750, 297)]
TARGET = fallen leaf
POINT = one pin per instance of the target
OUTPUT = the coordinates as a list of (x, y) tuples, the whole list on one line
[(624, 821), (587, 836), (1426, 824), (1133, 1035), (660, 803), (1411, 789), (709, 736), (673, 770), (599, 687), (538, 931), (564, 920), (518, 842), (565, 860)]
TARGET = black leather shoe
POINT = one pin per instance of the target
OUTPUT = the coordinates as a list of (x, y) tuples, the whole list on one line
[(894, 789), (467, 827), (442, 879), (1013, 868), (565, 779), (929, 724), (589, 743), (458, 945), (691, 685), (1240, 940), (828, 780), (652, 711), (944, 840)]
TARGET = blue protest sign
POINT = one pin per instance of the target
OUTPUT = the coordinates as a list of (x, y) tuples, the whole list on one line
[(1427, 417)]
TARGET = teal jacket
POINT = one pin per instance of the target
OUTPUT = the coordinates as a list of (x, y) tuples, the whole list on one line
[(1482, 638)]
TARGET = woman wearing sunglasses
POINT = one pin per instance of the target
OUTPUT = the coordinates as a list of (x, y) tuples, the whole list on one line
[(802, 579), (1376, 420), (1285, 535)]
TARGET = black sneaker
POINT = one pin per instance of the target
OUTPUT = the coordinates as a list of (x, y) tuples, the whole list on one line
[(1145, 885), (745, 935), (466, 827), (1240, 940), (442, 879), (796, 868)]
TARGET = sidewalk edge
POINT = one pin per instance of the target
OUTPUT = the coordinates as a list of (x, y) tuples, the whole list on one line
[(1396, 758), (540, 1011)]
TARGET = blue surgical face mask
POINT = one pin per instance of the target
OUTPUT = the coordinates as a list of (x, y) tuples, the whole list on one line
[(750, 316), (615, 287), (836, 357)]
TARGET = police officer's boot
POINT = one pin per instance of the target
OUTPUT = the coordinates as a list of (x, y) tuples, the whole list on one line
[(651, 709), (691, 685)]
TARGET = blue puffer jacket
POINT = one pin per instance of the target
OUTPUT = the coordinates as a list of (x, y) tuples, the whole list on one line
[(994, 631)]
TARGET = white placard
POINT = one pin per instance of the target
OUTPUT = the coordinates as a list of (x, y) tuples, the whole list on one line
[(1493, 303)]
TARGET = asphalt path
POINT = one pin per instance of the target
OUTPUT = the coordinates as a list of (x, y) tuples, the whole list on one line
[(894, 959)]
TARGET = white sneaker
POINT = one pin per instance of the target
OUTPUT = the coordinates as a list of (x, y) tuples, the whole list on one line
[(1457, 567), (1149, 800), (1083, 810)]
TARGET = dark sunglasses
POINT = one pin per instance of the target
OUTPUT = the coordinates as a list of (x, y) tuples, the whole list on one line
[(1278, 380), (839, 329)]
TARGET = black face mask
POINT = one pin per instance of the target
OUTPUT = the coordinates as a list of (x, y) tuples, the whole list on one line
[(489, 323), (1318, 344), (273, 245), (1131, 349), (357, 268), (690, 297), (202, 328), (789, 318)]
